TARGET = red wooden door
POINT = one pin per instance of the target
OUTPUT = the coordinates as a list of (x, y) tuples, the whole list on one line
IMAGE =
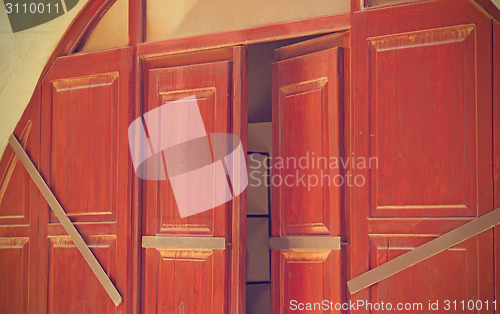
[(182, 275), (422, 111), (84, 160), (19, 218), (306, 203)]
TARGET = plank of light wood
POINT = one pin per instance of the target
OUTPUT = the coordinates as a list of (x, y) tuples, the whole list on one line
[(309, 242), (65, 221), (425, 251), (159, 242)]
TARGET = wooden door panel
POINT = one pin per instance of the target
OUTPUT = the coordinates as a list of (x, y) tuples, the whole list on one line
[(85, 105), (433, 279), (14, 201), (423, 123), (76, 288), (85, 161), (189, 281), (308, 105), (209, 83), (14, 274), (306, 127), (301, 276), (15, 182)]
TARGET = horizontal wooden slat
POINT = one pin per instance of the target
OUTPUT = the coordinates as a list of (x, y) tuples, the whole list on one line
[(309, 242), (160, 242)]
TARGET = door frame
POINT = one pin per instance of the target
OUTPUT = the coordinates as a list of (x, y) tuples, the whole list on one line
[(187, 51)]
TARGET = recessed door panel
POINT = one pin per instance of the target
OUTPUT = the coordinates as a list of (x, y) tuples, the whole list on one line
[(76, 288), (14, 274), (305, 276), (83, 171), (306, 137), (430, 279), (423, 123), (189, 281), (209, 84)]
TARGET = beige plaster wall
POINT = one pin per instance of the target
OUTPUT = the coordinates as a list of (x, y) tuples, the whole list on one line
[(112, 29), (167, 19)]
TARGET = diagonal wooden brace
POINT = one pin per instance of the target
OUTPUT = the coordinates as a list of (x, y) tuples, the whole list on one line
[(66, 223)]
